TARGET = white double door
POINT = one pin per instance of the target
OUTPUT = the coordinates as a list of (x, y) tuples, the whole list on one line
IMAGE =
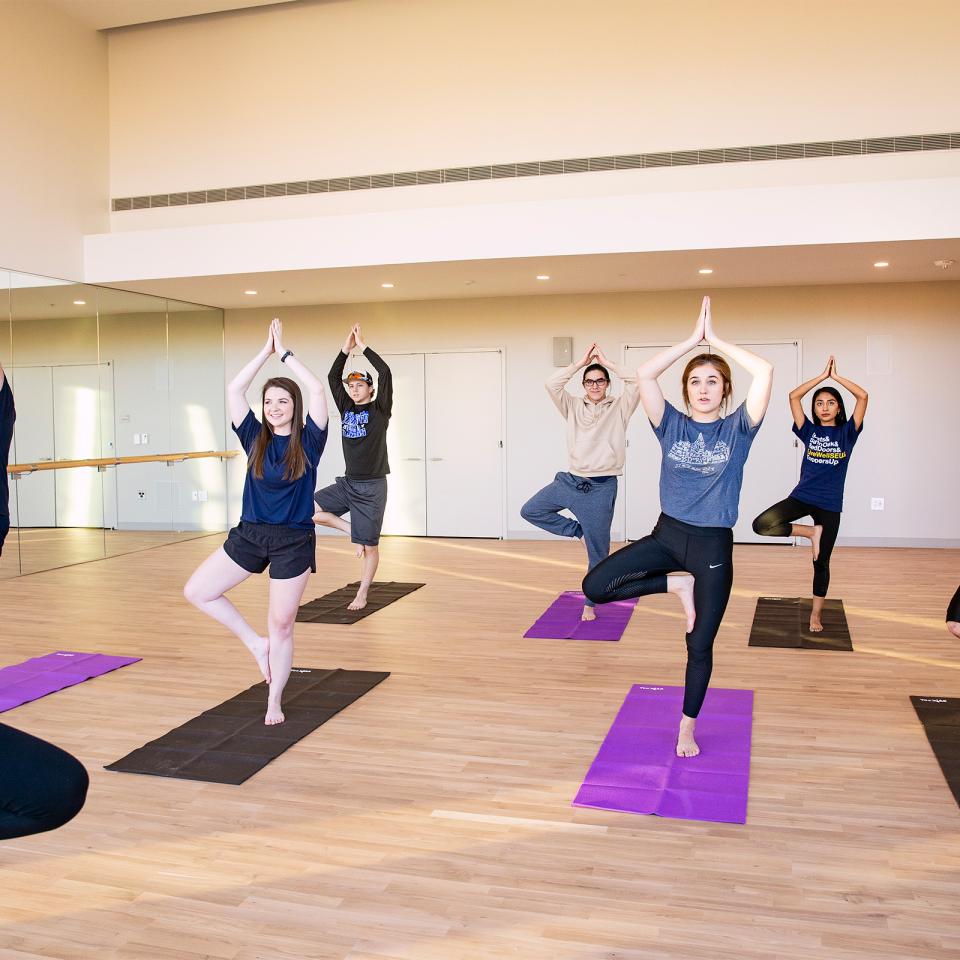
[(772, 469), (63, 413), (445, 444)]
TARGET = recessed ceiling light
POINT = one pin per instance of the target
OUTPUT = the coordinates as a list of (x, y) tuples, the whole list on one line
[(79, 303), (387, 286), (705, 270), (543, 276), (250, 293), (881, 263)]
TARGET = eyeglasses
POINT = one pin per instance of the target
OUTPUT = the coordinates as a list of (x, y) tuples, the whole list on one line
[(602, 382)]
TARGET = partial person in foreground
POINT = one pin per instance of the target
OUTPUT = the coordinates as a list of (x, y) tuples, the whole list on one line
[(828, 441), (596, 449), (362, 492), (690, 552), (276, 524), (41, 786), (953, 615)]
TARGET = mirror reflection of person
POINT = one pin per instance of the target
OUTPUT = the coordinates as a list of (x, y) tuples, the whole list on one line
[(41, 786), (596, 450), (703, 452), (828, 440), (362, 492), (276, 523)]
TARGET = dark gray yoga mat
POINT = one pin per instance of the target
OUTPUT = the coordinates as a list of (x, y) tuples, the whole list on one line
[(785, 622), (940, 717), (332, 608), (230, 743)]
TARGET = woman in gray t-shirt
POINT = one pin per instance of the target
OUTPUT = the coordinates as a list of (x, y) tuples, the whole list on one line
[(690, 552)]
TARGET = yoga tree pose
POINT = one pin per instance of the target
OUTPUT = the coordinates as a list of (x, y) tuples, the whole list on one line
[(365, 415), (596, 449), (828, 442), (690, 552), (276, 524)]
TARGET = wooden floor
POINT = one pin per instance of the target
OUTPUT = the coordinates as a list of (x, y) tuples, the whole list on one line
[(432, 820)]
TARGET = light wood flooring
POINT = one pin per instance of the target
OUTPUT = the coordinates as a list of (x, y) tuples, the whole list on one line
[(431, 820)]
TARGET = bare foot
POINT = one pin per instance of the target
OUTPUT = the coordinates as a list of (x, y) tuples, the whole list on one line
[(682, 585), (954, 627), (359, 601), (686, 745), (261, 651), (815, 625), (815, 543), (274, 714), (589, 613)]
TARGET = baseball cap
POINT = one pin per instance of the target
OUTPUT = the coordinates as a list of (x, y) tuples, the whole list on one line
[(355, 376)]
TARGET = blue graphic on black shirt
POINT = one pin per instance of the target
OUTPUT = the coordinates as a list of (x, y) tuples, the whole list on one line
[(355, 424)]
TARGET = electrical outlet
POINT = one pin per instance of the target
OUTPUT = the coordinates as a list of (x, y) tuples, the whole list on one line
[(144, 438), (136, 439), (195, 495), (141, 494), (202, 496), (876, 503)]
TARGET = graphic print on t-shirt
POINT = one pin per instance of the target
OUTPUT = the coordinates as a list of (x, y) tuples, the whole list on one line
[(355, 423), (824, 452), (695, 456)]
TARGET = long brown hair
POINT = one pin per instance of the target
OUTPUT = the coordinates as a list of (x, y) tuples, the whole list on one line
[(294, 458), (722, 367)]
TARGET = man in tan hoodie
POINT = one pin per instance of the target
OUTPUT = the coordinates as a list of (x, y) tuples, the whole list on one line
[(596, 449)]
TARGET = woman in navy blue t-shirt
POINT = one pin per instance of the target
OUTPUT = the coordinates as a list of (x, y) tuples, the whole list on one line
[(276, 525), (828, 441)]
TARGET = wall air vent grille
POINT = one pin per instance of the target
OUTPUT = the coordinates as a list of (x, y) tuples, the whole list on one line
[(544, 168)]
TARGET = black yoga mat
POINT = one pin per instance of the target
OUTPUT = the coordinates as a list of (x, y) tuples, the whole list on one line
[(940, 717), (231, 742), (785, 622), (333, 607)]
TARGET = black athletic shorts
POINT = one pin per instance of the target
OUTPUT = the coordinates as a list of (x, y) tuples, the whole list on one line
[(365, 500), (289, 551)]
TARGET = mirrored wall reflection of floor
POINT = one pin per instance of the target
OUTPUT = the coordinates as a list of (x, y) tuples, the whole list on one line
[(46, 548)]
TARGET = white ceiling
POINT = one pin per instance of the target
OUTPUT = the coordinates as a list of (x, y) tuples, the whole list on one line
[(910, 261), (104, 14)]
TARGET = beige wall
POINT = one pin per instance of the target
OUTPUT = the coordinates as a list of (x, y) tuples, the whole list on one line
[(366, 86), (908, 454), (53, 122)]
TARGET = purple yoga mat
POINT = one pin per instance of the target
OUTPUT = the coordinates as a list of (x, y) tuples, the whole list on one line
[(561, 620), (35, 678), (637, 769)]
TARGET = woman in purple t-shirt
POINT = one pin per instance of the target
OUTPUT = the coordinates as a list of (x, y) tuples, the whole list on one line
[(828, 441)]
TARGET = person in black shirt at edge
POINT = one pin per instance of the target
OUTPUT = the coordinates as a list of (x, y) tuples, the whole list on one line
[(276, 525), (41, 786), (363, 491)]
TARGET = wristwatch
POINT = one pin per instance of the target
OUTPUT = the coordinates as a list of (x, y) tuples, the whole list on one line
[(289, 353)]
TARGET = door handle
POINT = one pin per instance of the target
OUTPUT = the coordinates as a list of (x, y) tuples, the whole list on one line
[(413, 458), (435, 459)]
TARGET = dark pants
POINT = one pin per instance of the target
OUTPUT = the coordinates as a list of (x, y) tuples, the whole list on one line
[(641, 569), (776, 521), (41, 786), (953, 611)]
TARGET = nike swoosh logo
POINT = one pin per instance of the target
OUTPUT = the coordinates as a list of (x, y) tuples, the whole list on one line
[(713, 566)]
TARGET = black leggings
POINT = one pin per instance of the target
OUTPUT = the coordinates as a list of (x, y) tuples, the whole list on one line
[(641, 569), (777, 521), (953, 611), (41, 786)]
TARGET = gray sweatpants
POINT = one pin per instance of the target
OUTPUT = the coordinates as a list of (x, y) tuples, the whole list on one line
[(589, 499)]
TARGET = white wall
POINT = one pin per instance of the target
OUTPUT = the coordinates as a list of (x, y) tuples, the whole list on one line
[(908, 453), (318, 90), (54, 164)]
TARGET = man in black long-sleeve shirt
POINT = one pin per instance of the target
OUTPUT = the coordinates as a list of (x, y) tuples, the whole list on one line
[(365, 416)]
